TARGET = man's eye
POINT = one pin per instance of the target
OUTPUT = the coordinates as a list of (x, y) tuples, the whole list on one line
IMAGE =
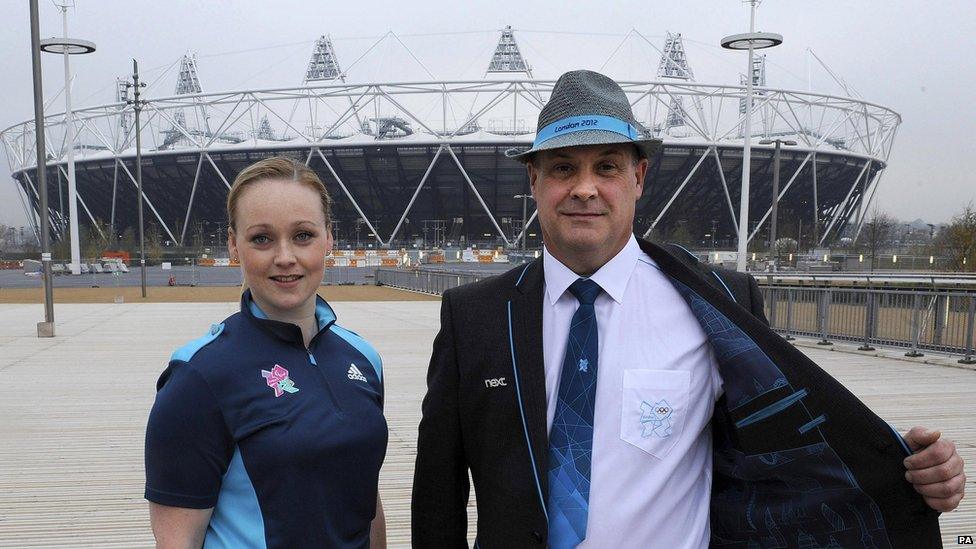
[(562, 168), (260, 239), (608, 166)]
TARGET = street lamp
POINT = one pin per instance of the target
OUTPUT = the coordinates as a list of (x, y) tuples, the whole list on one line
[(67, 47), (772, 230), (136, 85), (750, 41), (524, 198), (46, 328)]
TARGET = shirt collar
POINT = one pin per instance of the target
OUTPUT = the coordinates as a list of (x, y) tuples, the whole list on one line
[(612, 277), (324, 317)]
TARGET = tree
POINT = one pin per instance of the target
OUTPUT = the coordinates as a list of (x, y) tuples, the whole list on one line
[(92, 242), (198, 236), (61, 248), (957, 241), (8, 238), (680, 233), (154, 240), (876, 233), (128, 240)]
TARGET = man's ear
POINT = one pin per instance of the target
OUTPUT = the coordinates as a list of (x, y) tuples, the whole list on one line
[(533, 176), (640, 171)]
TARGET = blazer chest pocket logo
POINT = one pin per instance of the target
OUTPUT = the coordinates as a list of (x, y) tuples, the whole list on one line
[(496, 382), (653, 409)]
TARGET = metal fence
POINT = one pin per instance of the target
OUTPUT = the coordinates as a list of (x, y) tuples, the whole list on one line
[(348, 276), (428, 282), (918, 320)]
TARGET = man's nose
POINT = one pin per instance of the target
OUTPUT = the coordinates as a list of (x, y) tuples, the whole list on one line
[(585, 187)]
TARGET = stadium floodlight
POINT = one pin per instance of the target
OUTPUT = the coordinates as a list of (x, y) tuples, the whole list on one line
[(67, 47), (772, 230), (749, 41)]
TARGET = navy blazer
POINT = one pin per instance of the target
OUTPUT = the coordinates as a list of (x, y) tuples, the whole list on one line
[(798, 460)]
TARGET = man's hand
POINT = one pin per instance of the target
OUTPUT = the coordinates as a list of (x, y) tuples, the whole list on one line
[(935, 470)]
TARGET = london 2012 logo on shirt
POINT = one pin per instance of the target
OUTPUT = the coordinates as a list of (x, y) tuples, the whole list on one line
[(278, 380), (655, 419)]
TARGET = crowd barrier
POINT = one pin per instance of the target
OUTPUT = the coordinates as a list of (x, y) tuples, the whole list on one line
[(917, 320), (940, 321), (428, 282)]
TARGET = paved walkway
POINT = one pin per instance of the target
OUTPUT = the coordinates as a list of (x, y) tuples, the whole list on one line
[(74, 409)]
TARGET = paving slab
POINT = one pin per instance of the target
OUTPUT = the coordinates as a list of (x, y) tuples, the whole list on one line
[(73, 414)]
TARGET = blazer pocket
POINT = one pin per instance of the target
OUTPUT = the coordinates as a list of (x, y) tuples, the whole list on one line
[(653, 409)]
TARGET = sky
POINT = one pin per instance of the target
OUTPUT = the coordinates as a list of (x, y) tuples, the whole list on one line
[(913, 57)]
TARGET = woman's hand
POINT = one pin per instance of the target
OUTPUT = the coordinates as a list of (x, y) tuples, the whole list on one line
[(179, 527)]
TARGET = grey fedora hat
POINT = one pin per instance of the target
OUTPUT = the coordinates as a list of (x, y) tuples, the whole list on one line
[(587, 108)]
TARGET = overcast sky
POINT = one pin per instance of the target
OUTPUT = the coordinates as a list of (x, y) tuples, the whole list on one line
[(915, 57)]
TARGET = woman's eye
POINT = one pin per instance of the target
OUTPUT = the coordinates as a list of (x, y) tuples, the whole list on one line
[(303, 236), (260, 239)]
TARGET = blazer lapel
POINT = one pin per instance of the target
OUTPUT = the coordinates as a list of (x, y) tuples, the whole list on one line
[(525, 330)]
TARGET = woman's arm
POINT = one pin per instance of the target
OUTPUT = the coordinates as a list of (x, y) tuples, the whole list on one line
[(377, 530), (182, 528)]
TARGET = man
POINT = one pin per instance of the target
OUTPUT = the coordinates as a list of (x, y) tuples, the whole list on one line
[(617, 394)]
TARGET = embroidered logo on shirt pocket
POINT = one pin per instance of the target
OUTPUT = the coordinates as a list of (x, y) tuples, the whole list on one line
[(653, 409)]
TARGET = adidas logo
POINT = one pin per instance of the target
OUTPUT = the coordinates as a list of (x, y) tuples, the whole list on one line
[(355, 374)]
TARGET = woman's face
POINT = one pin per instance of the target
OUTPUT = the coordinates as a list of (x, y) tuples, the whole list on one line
[(281, 240)]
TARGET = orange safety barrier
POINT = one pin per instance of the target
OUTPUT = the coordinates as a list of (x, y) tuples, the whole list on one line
[(206, 262), (389, 262), (123, 255)]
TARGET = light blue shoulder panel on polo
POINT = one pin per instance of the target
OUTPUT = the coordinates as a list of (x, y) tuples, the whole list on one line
[(186, 352), (362, 346)]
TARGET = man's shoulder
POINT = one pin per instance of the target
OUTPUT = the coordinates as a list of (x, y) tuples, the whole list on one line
[(723, 279), (493, 288)]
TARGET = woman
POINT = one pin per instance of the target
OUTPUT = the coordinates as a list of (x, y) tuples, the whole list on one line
[(269, 430)]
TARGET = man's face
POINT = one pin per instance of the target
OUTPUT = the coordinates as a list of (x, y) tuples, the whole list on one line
[(586, 198)]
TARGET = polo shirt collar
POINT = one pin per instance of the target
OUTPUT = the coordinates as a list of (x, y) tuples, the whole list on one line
[(324, 317), (612, 277)]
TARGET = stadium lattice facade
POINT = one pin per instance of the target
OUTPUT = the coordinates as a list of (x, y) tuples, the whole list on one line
[(425, 160)]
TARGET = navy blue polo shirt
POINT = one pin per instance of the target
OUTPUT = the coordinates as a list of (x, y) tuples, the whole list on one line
[(284, 442)]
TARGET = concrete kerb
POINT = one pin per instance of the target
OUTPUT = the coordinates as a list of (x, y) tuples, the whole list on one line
[(893, 353)]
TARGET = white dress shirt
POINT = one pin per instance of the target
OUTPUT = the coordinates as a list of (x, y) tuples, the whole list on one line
[(657, 382)]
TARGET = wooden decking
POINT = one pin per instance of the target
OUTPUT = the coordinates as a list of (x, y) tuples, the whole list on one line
[(73, 412)]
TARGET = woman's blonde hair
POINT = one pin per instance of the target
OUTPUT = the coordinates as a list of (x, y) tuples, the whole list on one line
[(277, 167)]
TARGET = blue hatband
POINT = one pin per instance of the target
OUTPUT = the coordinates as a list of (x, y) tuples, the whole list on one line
[(575, 124)]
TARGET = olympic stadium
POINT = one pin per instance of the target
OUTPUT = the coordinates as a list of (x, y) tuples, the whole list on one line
[(424, 160)]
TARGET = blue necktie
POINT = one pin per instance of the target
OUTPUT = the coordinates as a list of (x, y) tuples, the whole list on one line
[(571, 436)]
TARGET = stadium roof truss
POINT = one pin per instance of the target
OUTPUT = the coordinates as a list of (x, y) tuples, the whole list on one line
[(444, 114)]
